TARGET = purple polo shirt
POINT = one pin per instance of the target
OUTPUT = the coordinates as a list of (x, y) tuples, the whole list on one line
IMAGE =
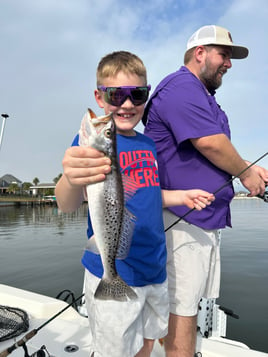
[(180, 109)]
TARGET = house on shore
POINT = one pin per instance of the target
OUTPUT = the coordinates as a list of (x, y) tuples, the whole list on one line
[(42, 188), (6, 181), (36, 190)]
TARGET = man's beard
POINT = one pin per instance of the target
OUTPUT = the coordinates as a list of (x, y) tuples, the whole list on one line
[(211, 80)]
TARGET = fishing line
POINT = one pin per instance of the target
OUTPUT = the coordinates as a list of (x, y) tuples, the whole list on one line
[(33, 332), (219, 189)]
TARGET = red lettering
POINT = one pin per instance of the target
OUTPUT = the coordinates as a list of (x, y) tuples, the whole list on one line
[(151, 177), (139, 177), (148, 177), (123, 160), (133, 163), (156, 177)]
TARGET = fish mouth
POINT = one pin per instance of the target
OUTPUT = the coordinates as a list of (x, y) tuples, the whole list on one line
[(99, 122)]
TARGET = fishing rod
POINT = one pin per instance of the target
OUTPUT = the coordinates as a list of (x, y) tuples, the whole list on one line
[(220, 188), (32, 333)]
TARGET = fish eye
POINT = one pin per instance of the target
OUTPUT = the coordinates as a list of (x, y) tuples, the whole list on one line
[(108, 133)]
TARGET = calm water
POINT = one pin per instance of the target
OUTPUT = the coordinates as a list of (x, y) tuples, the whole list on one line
[(40, 250)]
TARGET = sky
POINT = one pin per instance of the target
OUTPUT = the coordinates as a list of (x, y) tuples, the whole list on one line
[(49, 54)]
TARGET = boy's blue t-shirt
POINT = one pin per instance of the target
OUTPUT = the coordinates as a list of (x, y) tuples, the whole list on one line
[(146, 261)]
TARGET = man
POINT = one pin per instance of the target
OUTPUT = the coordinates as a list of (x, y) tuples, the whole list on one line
[(192, 137)]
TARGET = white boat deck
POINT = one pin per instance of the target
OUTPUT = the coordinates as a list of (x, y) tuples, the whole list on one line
[(70, 330)]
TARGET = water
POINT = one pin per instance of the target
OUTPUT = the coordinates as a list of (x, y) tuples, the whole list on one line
[(244, 283), (41, 248)]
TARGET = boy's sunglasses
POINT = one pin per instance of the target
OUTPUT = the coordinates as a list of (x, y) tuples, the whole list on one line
[(116, 96)]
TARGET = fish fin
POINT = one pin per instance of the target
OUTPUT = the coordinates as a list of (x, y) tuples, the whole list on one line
[(115, 289), (91, 245), (85, 130), (91, 113), (130, 186), (127, 229)]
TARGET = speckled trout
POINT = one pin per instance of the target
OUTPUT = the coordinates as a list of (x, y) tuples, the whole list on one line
[(112, 223)]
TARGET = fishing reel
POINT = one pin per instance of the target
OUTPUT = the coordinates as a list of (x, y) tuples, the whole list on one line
[(39, 353), (42, 352)]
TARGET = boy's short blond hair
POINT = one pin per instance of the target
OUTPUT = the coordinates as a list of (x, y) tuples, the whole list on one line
[(115, 62)]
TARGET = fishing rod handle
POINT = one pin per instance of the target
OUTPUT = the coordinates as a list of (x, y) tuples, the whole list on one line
[(23, 340)]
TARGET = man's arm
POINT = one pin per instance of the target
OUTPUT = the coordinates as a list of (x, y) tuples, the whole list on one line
[(219, 150)]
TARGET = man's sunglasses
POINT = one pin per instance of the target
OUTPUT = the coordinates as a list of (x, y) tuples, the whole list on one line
[(116, 96)]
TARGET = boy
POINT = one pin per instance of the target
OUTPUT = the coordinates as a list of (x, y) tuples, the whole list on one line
[(126, 328)]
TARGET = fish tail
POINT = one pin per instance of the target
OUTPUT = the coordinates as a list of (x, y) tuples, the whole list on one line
[(115, 289)]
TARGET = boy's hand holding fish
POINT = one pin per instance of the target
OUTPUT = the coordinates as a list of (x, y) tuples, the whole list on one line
[(85, 165), (81, 166)]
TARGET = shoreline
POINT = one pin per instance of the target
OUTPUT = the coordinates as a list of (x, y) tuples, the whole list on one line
[(24, 201), (241, 197)]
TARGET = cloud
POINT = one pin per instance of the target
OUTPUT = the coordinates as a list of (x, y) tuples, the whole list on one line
[(50, 51), (245, 87)]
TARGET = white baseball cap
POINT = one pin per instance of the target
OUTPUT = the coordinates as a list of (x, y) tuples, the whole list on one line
[(216, 35)]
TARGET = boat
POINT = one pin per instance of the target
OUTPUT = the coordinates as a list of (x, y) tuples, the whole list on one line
[(57, 328)]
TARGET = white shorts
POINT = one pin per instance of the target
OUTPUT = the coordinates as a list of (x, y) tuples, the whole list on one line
[(193, 265), (118, 328)]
